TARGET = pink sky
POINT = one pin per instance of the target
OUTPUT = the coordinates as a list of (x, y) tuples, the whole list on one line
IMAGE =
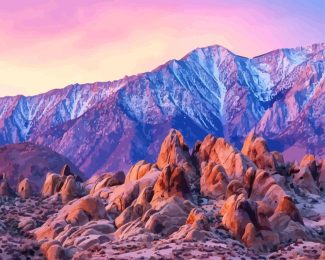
[(50, 44)]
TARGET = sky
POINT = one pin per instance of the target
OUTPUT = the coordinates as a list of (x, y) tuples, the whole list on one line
[(46, 44)]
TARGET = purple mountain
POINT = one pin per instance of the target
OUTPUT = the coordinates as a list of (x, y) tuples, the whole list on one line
[(108, 126), (27, 160)]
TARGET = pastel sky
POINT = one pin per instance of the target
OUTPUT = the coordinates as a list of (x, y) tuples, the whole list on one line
[(47, 44)]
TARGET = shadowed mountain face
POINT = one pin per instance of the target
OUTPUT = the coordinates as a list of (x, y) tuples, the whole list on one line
[(27, 160), (109, 126)]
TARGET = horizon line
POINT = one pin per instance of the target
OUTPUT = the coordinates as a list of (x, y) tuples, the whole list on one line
[(158, 66)]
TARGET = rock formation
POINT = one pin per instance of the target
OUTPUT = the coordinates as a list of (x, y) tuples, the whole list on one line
[(214, 181), (138, 170), (171, 182), (107, 180), (257, 150), (66, 184), (5, 189), (203, 202), (25, 189), (217, 150)]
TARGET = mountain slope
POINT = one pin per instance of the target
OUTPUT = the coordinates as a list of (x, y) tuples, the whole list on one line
[(109, 126), (27, 160)]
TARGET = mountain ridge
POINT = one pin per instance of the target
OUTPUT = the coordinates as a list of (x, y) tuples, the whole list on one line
[(322, 44), (208, 90)]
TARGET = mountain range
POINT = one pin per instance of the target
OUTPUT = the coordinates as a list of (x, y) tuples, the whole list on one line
[(108, 126)]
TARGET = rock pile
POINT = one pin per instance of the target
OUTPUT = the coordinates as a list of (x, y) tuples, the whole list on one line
[(215, 195), (67, 185)]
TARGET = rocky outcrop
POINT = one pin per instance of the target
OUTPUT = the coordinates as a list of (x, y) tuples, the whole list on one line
[(137, 209), (305, 181), (138, 170), (67, 184), (260, 240), (235, 187), (5, 189), (171, 182), (290, 230), (25, 189), (27, 160), (107, 180), (265, 188), (257, 150), (196, 228), (249, 222), (168, 216), (71, 189), (174, 151), (237, 213), (214, 181), (124, 195), (65, 171), (50, 185), (79, 225), (219, 151), (75, 213), (154, 208), (287, 206), (309, 161), (310, 175), (54, 252)]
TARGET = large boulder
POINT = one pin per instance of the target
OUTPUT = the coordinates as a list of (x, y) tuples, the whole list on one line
[(123, 196), (162, 219), (254, 145), (67, 185), (71, 189), (174, 151), (93, 233), (77, 212), (198, 219), (289, 230), (138, 207), (213, 181), (171, 182), (168, 216), (196, 228), (65, 171), (304, 180), (256, 149), (107, 180), (309, 161), (249, 179), (55, 252), (25, 189), (5, 189), (49, 188), (287, 206), (235, 187), (237, 212), (260, 240), (138, 170), (265, 188)]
